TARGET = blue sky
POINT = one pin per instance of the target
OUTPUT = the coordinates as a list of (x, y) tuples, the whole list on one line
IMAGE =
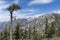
[(29, 8)]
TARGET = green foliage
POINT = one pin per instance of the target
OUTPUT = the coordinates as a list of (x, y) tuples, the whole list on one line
[(6, 34), (50, 29), (34, 34), (25, 33), (16, 33), (30, 33), (1, 36), (46, 28), (22, 34), (13, 7)]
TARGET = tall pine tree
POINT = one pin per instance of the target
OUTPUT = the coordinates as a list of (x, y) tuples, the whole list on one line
[(16, 33)]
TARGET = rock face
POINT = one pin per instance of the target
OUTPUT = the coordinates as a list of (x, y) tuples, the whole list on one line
[(39, 23)]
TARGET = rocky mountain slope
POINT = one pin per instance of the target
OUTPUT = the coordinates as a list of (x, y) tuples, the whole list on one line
[(39, 22)]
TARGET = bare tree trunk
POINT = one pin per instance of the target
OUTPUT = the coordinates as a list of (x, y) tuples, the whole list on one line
[(11, 38)]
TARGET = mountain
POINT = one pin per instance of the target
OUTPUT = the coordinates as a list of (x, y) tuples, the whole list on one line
[(22, 22), (38, 22)]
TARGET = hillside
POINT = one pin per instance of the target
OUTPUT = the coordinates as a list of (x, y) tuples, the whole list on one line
[(39, 22)]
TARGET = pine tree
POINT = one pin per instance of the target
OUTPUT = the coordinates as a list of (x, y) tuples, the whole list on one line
[(52, 28), (1, 36), (49, 30), (46, 26), (16, 33), (25, 33), (22, 34), (29, 29), (34, 34), (11, 9), (6, 34)]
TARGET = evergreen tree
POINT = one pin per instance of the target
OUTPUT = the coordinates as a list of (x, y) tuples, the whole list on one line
[(12, 8), (50, 30), (1, 35), (16, 33), (22, 34), (34, 34), (46, 26), (6, 34), (25, 33), (29, 32)]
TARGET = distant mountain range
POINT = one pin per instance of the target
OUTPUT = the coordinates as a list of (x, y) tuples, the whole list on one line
[(38, 22)]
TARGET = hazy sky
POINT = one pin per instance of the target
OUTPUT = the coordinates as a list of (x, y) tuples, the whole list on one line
[(30, 8)]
